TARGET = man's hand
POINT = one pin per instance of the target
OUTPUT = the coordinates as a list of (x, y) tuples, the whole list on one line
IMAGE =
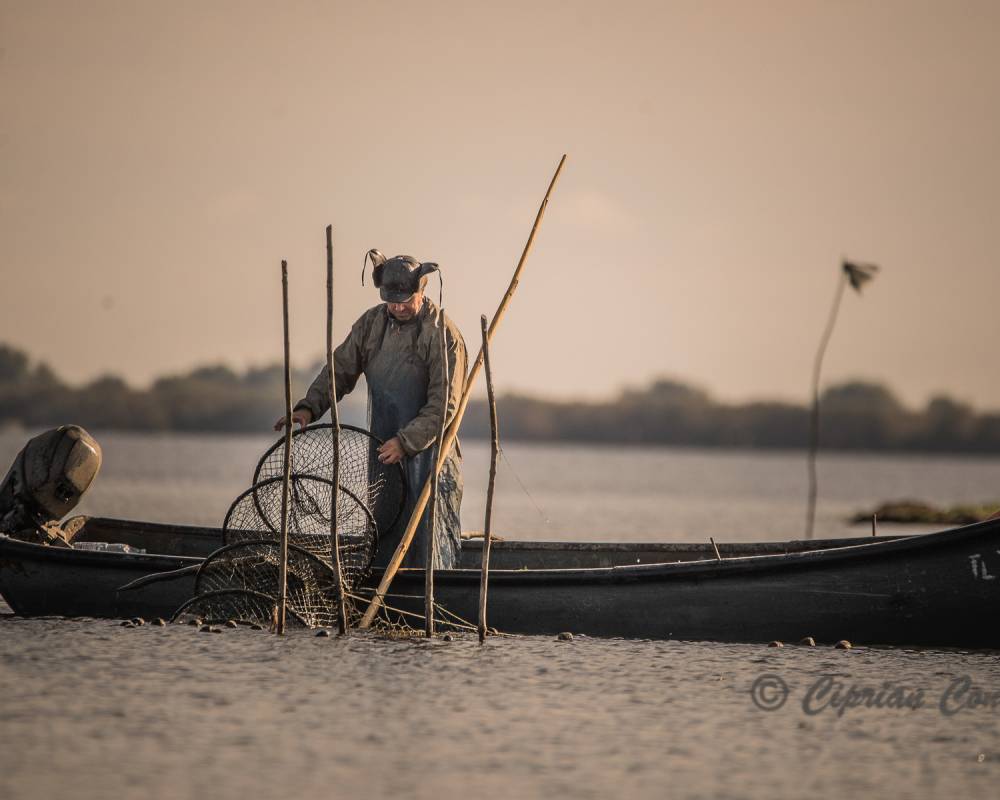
[(391, 452), (302, 416)]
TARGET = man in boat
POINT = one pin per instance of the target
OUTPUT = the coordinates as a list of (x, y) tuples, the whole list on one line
[(396, 345)]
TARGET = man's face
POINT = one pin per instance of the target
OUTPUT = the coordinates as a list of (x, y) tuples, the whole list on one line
[(409, 309)]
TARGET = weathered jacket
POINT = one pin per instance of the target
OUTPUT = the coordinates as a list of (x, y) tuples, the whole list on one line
[(361, 345)]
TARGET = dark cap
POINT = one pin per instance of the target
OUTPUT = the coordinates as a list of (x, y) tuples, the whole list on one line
[(398, 278)]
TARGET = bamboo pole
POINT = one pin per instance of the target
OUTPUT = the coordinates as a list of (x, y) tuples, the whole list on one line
[(452, 433), (494, 452), (432, 534), (335, 429), (287, 465)]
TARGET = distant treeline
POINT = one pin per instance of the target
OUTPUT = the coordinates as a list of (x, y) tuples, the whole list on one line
[(855, 416), (211, 398)]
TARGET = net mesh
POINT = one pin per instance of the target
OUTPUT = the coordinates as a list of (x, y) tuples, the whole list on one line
[(256, 515), (381, 487), (240, 606), (401, 616), (311, 584)]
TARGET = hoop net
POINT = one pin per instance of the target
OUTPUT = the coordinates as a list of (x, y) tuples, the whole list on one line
[(256, 515), (240, 582), (242, 606), (311, 584), (380, 487)]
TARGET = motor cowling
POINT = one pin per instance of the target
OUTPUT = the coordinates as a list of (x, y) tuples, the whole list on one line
[(47, 479)]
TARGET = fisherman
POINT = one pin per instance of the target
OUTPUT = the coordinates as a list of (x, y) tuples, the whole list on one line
[(397, 347)]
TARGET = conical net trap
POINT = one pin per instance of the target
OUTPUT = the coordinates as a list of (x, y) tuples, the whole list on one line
[(380, 487), (256, 515), (240, 582), (254, 567)]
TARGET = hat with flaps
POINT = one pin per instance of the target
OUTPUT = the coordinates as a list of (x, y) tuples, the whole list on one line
[(397, 278)]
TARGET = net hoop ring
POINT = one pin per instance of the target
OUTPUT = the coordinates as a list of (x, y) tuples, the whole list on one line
[(328, 426), (300, 552), (272, 534), (264, 517), (259, 597)]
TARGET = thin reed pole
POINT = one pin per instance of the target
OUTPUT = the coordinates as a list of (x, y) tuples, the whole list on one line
[(286, 473), (814, 416), (432, 514), (335, 430), (494, 453), (452, 432)]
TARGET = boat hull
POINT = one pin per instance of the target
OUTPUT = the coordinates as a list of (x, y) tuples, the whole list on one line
[(941, 596), (931, 590)]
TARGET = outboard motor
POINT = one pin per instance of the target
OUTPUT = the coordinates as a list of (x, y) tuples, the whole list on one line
[(46, 481)]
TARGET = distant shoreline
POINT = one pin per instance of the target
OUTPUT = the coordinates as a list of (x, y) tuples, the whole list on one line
[(856, 416), (26, 432)]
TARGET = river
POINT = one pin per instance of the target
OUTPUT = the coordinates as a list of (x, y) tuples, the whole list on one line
[(92, 710)]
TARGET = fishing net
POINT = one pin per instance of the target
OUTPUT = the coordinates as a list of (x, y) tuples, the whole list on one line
[(240, 582), (311, 584), (401, 616), (241, 606), (380, 487), (256, 515)]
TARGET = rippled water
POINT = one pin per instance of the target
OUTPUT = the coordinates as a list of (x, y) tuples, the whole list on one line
[(92, 710)]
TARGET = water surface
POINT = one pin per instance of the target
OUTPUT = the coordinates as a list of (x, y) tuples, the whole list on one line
[(92, 710), (563, 492)]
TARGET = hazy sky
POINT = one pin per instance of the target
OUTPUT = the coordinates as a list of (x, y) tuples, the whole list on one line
[(157, 160)]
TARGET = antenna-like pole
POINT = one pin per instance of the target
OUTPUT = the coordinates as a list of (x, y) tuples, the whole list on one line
[(494, 453), (335, 418), (286, 473)]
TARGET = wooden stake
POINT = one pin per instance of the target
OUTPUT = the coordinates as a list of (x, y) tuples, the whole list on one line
[(432, 535), (287, 466), (874, 524), (335, 429), (452, 433), (715, 547), (494, 453)]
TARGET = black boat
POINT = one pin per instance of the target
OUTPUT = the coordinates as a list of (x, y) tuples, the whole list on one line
[(935, 589)]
